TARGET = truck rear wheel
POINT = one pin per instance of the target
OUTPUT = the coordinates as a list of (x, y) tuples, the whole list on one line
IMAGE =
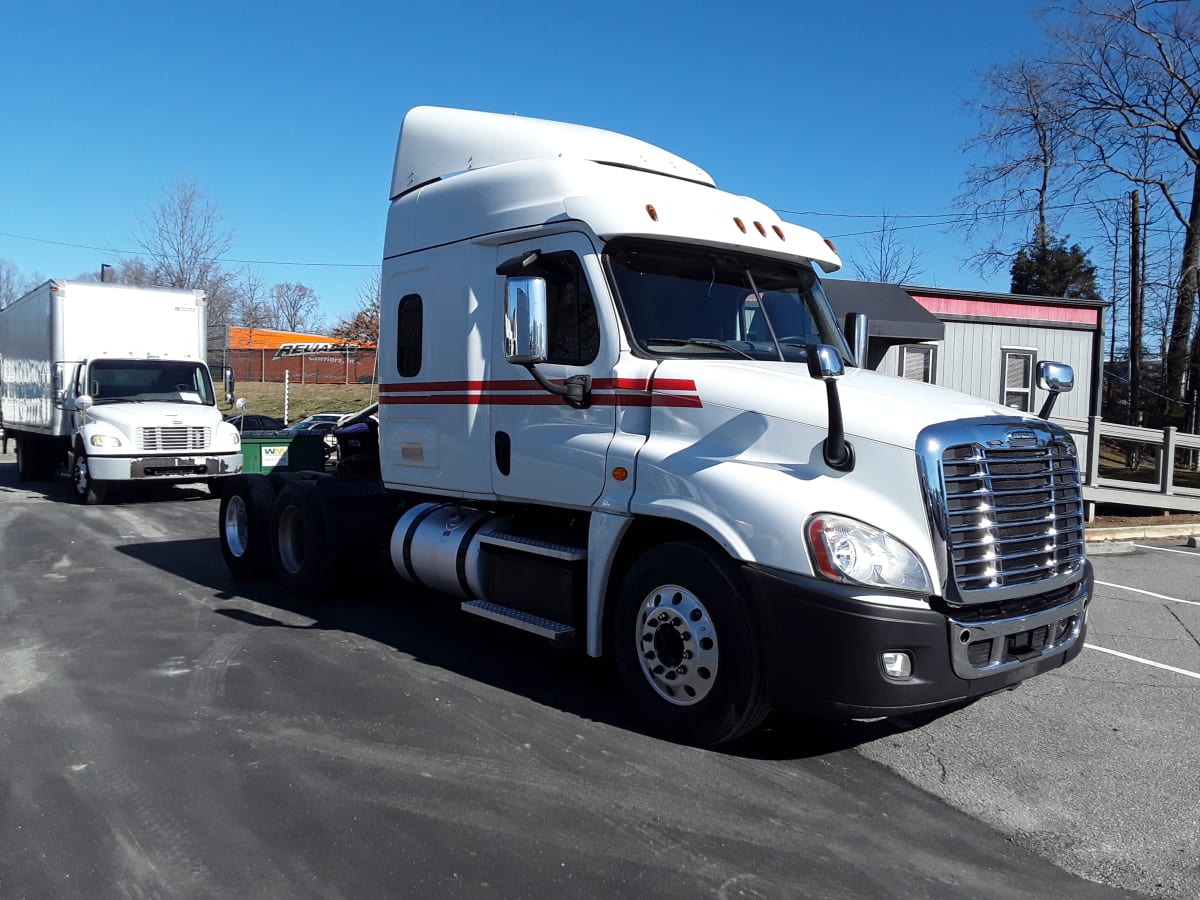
[(303, 549), (245, 525), (87, 489), (686, 647), (35, 458)]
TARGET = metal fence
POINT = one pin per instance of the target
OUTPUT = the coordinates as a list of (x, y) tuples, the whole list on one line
[(1146, 467)]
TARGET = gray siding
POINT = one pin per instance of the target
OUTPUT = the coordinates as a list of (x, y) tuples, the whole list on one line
[(969, 360)]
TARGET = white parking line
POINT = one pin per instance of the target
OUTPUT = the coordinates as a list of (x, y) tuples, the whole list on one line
[(1122, 587), (1167, 550), (1148, 662)]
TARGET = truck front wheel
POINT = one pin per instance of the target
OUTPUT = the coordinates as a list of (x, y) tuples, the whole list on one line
[(245, 525), (686, 647), (303, 547), (87, 489)]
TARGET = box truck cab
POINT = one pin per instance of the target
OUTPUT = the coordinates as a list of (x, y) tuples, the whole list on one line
[(109, 383), (616, 409)]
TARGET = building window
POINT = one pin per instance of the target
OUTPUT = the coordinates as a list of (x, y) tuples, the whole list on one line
[(917, 362), (1016, 376), (408, 337)]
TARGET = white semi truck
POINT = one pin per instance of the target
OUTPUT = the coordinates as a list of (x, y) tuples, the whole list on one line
[(109, 382), (616, 410)]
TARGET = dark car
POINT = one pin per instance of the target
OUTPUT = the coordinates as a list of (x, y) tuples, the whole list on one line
[(254, 422)]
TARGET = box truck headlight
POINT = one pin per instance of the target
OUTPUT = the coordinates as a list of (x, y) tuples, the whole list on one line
[(104, 440), (849, 551)]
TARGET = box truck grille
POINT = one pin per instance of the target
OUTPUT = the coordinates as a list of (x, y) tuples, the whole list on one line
[(1015, 515), (173, 438)]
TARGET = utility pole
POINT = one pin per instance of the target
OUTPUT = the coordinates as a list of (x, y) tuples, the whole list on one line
[(1136, 307)]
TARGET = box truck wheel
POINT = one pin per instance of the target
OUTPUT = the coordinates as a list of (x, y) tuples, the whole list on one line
[(37, 458), (245, 525), (26, 467), (87, 489), (303, 547), (686, 647)]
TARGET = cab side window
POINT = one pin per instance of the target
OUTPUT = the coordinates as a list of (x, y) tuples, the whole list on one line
[(573, 337), (409, 324)]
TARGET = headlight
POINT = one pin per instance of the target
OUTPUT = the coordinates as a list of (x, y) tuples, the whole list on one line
[(104, 440), (849, 551)]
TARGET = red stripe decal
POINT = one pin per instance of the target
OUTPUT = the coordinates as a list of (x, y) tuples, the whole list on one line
[(631, 400)]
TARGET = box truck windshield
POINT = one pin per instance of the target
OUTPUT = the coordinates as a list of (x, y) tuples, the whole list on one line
[(121, 381)]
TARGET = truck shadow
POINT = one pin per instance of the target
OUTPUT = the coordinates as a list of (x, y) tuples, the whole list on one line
[(59, 489), (380, 606)]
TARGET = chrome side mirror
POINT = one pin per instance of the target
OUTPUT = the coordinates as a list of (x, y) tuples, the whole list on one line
[(1057, 378), (857, 331), (525, 321), (824, 361)]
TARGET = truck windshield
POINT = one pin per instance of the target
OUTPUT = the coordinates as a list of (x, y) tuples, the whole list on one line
[(128, 380), (682, 300)]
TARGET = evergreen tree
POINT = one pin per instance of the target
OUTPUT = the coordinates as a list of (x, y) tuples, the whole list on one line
[(1046, 267)]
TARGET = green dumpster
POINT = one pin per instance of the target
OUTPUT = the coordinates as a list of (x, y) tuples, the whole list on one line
[(264, 452)]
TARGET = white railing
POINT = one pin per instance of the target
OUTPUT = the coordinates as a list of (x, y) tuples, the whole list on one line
[(1090, 433)]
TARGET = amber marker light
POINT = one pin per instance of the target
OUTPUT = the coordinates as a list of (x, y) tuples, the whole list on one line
[(740, 224), (761, 230), (652, 211), (778, 231), (620, 473), (829, 244)]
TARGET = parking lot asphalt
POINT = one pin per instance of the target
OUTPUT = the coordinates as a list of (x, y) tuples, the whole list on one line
[(168, 731)]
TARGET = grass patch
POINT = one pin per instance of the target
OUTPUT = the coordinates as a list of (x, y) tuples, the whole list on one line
[(266, 398)]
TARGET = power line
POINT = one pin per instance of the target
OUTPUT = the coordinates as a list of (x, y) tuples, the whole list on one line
[(226, 259)]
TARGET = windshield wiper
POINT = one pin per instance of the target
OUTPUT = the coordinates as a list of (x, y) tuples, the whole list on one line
[(699, 342)]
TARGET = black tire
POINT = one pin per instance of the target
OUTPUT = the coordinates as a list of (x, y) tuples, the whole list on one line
[(244, 524), (26, 468), (35, 458), (686, 646), (87, 490), (303, 543)]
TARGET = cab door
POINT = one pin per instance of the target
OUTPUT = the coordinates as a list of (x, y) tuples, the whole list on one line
[(544, 450)]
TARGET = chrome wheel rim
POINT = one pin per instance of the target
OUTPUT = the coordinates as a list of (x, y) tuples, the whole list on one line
[(291, 539), (81, 476), (237, 526), (677, 645)]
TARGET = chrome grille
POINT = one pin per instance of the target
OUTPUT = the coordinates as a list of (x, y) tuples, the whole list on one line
[(173, 438), (1015, 515)]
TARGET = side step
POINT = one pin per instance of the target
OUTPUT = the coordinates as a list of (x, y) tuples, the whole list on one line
[(547, 628), (568, 552)]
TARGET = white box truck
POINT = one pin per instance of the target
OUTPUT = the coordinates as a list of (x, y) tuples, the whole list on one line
[(110, 383), (615, 409)]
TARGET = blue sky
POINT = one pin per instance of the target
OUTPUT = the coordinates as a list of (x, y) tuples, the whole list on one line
[(285, 114)]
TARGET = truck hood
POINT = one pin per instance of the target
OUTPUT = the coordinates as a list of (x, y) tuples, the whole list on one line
[(876, 407), (154, 414)]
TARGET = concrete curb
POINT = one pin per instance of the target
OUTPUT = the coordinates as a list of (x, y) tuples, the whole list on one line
[(1142, 532)]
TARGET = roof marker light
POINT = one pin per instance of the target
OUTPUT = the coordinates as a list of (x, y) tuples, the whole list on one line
[(653, 212), (778, 231), (761, 230), (829, 244), (740, 224)]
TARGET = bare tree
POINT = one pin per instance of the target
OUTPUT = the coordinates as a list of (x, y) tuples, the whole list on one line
[(363, 323), (884, 257), (295, 307), (184, 240), (13, 285), (1028, 152), (134, 270), (251, 307), (1131, 75)]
